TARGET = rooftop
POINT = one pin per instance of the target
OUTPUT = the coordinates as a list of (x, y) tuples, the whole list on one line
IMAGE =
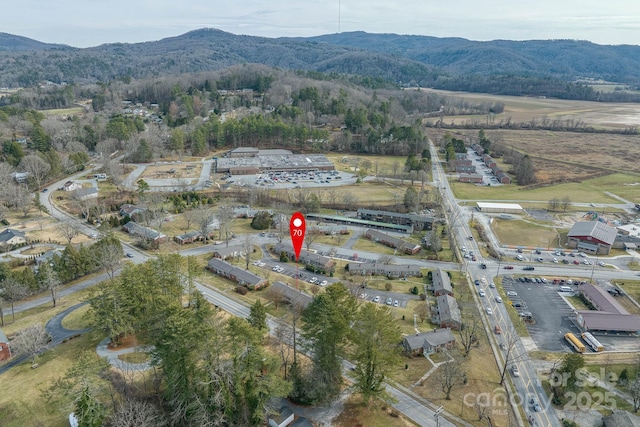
[(595, 229), (614, 322), (602, 299)]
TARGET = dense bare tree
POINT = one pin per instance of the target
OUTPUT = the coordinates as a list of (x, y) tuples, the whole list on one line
[(135, 413), (31, 341), (109, 255), (36, 166), (225, 216), (21, 199), (204, 218), (247, 246), (349, 199), (450, 374), (67, 230), (469, 334)]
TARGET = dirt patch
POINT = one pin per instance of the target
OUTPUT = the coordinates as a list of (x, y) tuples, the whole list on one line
[(129, 341), (172, 171)]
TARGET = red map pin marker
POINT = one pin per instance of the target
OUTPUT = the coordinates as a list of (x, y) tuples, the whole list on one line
[(297, 227)]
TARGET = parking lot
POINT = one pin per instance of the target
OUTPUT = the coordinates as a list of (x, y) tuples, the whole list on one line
[(293, 179), (549, 310)]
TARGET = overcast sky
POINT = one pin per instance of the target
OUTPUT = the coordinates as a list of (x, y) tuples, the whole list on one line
[(83, 23)]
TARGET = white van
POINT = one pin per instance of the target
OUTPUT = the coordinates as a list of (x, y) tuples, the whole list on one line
[(565, 289), (519, 257)]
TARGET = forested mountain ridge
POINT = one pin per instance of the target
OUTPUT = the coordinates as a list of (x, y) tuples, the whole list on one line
[(535, 68), (565, 59)]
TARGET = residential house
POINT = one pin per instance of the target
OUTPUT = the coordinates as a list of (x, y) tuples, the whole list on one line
[(392, 242), (71, 186), (447, 312), (308, 258), (470, 169), (85, 193), (477, 148), (594, 237), (441, 283), (235, 251), (502, 177), (144, 232), (380, 269), (10, 237), (5, 349), (188, 237), (429, 342), (470, 177), (131, 210), (292, 295), (236, 274), (20, 177)]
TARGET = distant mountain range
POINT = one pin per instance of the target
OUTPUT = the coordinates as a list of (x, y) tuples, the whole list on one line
[(402, 59)]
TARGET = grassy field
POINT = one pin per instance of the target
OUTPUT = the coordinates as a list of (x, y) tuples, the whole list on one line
[(377, 415), (21, 401), (525, 233), (587, 191)]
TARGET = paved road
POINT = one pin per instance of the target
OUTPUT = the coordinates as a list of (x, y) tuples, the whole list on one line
[(55, 329)]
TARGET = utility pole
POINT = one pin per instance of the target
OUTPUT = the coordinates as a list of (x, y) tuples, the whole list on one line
[(436, 415)]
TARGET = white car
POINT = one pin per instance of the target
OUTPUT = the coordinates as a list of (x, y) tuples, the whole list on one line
[(377, 298), (489, 311), (512, 294), (481, 293), (498, 299), (395, 303), (313, 280), (515, 371), (324, 283), (555, 260)]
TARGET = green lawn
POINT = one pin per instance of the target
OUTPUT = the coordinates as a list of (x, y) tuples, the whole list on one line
[(588, 191)]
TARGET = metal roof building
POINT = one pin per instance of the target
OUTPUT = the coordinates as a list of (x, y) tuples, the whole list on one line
[(500, 207), (591, 236)]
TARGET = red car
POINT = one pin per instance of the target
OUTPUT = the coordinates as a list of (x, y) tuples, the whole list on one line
[(508, 267), (575, 261)]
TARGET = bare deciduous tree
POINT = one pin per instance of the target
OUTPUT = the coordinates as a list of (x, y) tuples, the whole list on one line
[(109, 257), (131, 412), (469, 335), (449, 375), (31, 341), (67, 230), (37, 168)]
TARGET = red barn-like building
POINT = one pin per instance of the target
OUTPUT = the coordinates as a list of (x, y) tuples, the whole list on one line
[(594, 237)]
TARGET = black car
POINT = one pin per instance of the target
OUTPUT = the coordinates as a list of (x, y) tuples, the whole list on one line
[(483, 266), (477, 282), (528, 268)]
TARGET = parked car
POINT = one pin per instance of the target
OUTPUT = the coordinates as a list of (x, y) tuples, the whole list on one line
[(512, 294), (395, 303), (515, 371), (377, 298), (324, 283), (389, 301), (576, 262)]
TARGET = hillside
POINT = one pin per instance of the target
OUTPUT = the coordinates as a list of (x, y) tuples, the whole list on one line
[(565, 59), (535, 68)]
